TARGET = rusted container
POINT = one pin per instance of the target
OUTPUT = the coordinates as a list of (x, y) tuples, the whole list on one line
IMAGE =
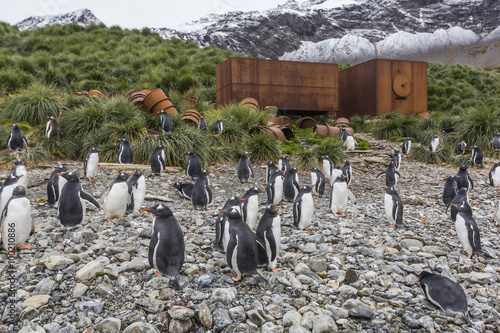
[(154, 97), (287, 131), (95, 93), (188, 102), (191, 117), (250, 101), (306, 122), (280, 120), (325, 130), (381, 86), (81, 93), (146, 90), (162, 105), (342, 121)]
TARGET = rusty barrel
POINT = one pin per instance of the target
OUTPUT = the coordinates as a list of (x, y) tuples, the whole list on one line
[(306, 122)]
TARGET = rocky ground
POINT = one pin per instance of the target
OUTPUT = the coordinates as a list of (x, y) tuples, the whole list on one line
[(347, 274)]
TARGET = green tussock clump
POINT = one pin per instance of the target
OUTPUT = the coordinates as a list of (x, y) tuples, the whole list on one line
[(308, 158), (460, 160), (480, 126), (263, 147), (397, 125), (223, 153), (59, 150), (359, 124), (291, 147), (362, 144), (333, 147), (423, 154), (35, 156), (233, 132), (244, 115)]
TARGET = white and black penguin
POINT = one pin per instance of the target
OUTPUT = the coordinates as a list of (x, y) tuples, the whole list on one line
[(496, 214), (343, 134), (477, 156), (116, 198), (444, 293), (303, 208), (291, 185), (158, 160), (166, 248), (461, 199), (185, 189), (327, 167), (202, 194), (393, 207), (221, 226), (125, 153), (460, 148), (468, 232), (270, 169), (464, 179), (72, 206), (193, 165), (318, 180), (347, 171), (53, 129), (245, 170), (16, 220), (137, 191), (391, 175), (269, 233), (338, 196), (91, 164), (433, 146), (202, 124), (250, 206), (16, 139), (283, 164), (274, 188), (167, 125), (218, 126), (336, 171), (495, 142), (19, 170), (396, 158), (494, 175), (242, 248), (7, 188), (350, 142), (450, 190), (53, 189), (406, 146)]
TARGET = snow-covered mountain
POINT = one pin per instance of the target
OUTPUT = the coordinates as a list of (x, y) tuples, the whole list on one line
[(83, 17), (351, 31)]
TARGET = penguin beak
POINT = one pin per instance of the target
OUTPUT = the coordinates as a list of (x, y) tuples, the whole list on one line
[(384, 187), (242, 199), (172, 185), (98, 150), (263, 191), (130, 174), (2, 162), (184, 153), (222, 211), (118, 139), (249, 152), (21, 176), (68, 168), (275, 210), (453, 205), (345, 177), (147, 209), (59, 174), (312, 186), (458, 176)]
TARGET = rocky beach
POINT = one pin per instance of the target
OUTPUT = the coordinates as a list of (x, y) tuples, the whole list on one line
[(347, 274)]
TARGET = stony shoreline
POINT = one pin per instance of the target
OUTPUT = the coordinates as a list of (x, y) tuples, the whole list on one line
[(346, 274)]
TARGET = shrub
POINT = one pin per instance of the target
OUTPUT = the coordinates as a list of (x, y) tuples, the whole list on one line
[(333, 147), (423, 154), (263, 147), (479, 125), (308, 158), (397, 125), (244, 115)]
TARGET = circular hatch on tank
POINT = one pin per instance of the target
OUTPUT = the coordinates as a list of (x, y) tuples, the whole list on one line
[(401, 85)]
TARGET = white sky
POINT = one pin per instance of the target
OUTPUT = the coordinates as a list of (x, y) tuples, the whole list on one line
[(132, 13)]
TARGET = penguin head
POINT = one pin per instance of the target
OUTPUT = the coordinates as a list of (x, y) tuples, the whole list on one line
[(389, 190), (14, 126), (270, 163), (160, 147), (245, 154), (159, 210), (307, 188), (17, 162), (19, 191), (122, 177), (232, 202), (423, 275), (462, 191), (460, 208), (204, 173), (254, 191), (272, 210), (314, 169), (346, 162), (463, 167), (94, 150), (69, 176), (341, 178), (138, 173), (177, 185), (189, 153), (162, 112), (62, 168), (233, 212), (51, 118), (396, 151), (123, 140), (282, 157), (11, 179), (452, 178)]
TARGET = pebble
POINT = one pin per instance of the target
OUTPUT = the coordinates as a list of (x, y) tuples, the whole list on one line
[(109, 325), (36, 301), (56, 262), (89, 271)]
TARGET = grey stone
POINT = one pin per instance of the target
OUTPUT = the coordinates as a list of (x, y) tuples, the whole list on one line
[(317, 265), (89, 271), (204, 315), (224, 295), (347, 292), (306, 321), (206, 280), (481, 278), (45, 286), (220, 319), (32, 328), (323, 324), (180, 326), (56, 263), (359, 309), (140, 328), (337, 313), (296, 328), (275, 310), (159, 282), (411, 321), (79, 290), (138, 264), (181, 313), (238, 314), (109, 325), (84, 322), (29, 313), (410, 242), (255, 316), (271, 327), (90, 306), (150, 305), (292, 317), (240, 328), (436, 250), (52, 327)]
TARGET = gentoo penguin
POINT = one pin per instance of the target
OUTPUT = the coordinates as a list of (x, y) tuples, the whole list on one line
[(185, 189), (477, 156), (193, 165), (218, 126), (270, 169), (242, 249), (137, 191), (125, 154), (202, 194), (393, 207), (283, 164), (318, 180), (167, 126), (406, 146), (433, 146), (250, 206), (495, 175), (19, 170), (221, 227), (72, 206), (16, 139), (327, 167), (166, 248), (53, 129), (396, 158), (450, 190), (495, 142), (496, 214), (336, 171), (16, 221), (202, 124), (444, 293), (347, 171), (460, 148), (338, 196), (303, 208), (350, 143), (116, 198), (291, 185), (444, 135), (6, 191), (53, 189), (468, 232), (460, 199), (158, 160), (464, 179), (91, 163), (343, 134), (274, 188), (269, 233), (245, 170), (391, 175)]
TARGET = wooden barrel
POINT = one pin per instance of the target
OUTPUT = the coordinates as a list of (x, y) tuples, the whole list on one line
[(306, 122), (154, 97), (251, 102)]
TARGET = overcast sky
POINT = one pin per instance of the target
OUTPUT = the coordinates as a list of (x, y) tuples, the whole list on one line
[(132, 14)]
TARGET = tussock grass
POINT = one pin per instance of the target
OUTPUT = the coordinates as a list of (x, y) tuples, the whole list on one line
[(308, 158), (423, 154), (263, 147), (242, 114), (397, 125), (479, 126), (333, 147)]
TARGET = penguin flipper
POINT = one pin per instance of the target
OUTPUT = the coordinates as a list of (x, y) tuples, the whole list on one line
[(397, 173), (85, 196), (230, 249), (262, 254), (25, 141), (351, 196), (272, 244), (297, 211), (471, 182), (382, 173), (260, 278), (474, 238), (491, 179)]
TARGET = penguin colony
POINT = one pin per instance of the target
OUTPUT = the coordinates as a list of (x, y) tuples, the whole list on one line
[(247, 244)]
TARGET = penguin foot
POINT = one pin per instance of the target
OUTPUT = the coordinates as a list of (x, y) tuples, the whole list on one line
[(236, 278), (24, 247), (12, 255), (391, 225), (157, 273), (42, 200), (208, 209), (276, 269), (336, 215)]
